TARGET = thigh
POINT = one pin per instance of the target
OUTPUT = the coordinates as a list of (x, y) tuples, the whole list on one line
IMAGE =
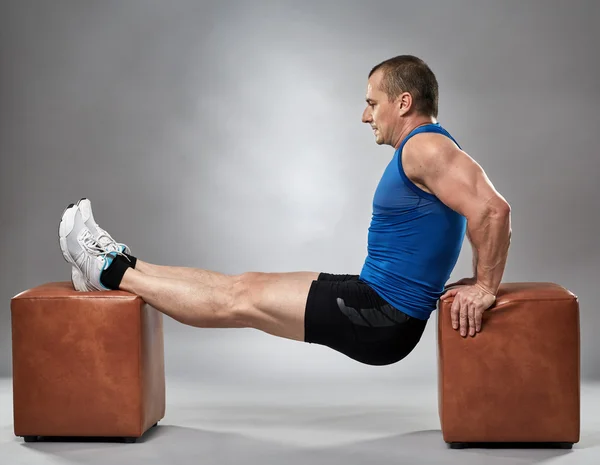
[(275, 302), (350, 317)]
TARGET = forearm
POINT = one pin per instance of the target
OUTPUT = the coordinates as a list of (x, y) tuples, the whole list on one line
[(490, 236), (475, 257)]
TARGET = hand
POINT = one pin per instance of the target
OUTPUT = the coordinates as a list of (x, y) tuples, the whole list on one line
[(470, 301)]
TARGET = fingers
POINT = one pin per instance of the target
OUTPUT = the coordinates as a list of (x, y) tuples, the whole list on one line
[(478, 319), (454, 312), (449, 293), (458, 314), (464, 321), (464, 314), (471, 313)]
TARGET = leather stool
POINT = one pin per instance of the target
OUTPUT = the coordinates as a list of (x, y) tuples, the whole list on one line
[(518, 380), (85, 364)]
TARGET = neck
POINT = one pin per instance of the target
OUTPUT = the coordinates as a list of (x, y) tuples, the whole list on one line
[(411, 125)]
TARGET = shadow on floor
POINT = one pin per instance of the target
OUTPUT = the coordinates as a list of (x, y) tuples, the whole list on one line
[(184, 445)]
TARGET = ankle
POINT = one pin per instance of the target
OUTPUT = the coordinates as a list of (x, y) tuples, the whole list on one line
[(131, 259), (112, 276), (143, 267), (128, 281)]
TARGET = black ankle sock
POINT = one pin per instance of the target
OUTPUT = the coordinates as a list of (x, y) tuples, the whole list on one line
[(112, 276), (132, 259)]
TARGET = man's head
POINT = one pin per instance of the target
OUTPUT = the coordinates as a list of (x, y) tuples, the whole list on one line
[(400, 89)]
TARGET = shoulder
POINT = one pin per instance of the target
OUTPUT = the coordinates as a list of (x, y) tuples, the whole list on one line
[(457, 180), (427, 152), (429, 146)]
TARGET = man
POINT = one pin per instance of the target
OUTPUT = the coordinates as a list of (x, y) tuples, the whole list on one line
[(430, 194)]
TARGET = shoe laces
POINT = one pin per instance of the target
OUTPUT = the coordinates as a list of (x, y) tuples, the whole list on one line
[(108, 242), (92, 245)]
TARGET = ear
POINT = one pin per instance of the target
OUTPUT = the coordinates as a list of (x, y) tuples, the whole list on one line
[(404, 103)]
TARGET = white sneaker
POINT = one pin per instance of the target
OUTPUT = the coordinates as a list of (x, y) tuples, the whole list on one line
[(85, 207), (77, 279), (81, 249)]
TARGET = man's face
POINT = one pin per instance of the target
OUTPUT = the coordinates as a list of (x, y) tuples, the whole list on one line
[(380, 114)]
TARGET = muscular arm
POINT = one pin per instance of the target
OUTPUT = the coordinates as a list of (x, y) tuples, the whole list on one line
[(490, 235), (460, 183), (474, 250)]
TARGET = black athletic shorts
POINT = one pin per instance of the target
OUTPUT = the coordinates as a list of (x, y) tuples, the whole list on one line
[(347, 315)]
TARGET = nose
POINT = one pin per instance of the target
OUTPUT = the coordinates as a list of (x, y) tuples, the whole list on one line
[(367, 116)]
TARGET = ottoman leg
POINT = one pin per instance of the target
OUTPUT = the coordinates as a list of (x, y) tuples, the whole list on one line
[(30, 438), (458, 445), (511, 445), (129, 440)]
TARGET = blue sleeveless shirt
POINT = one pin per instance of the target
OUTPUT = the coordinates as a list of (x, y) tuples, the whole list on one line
[(414, 239)]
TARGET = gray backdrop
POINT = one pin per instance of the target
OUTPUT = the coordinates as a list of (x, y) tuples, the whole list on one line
[(227, 136)]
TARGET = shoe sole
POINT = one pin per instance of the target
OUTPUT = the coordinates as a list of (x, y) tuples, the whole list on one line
[(67, 221), (65, 226), (78, 280), (78, 202)]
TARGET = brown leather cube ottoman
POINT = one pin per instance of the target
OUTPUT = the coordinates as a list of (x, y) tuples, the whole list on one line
[(85, 364), (518, 380)]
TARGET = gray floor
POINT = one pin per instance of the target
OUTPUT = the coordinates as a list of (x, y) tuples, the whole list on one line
[(294, 423)]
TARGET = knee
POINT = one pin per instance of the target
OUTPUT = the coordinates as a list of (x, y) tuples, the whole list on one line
[(246, 295), (247, 288)]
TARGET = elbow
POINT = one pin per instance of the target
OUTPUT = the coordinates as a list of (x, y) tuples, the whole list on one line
[(500, 210), (502, 213)]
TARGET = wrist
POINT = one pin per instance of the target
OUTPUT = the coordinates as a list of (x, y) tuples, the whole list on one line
[(485, 289)]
